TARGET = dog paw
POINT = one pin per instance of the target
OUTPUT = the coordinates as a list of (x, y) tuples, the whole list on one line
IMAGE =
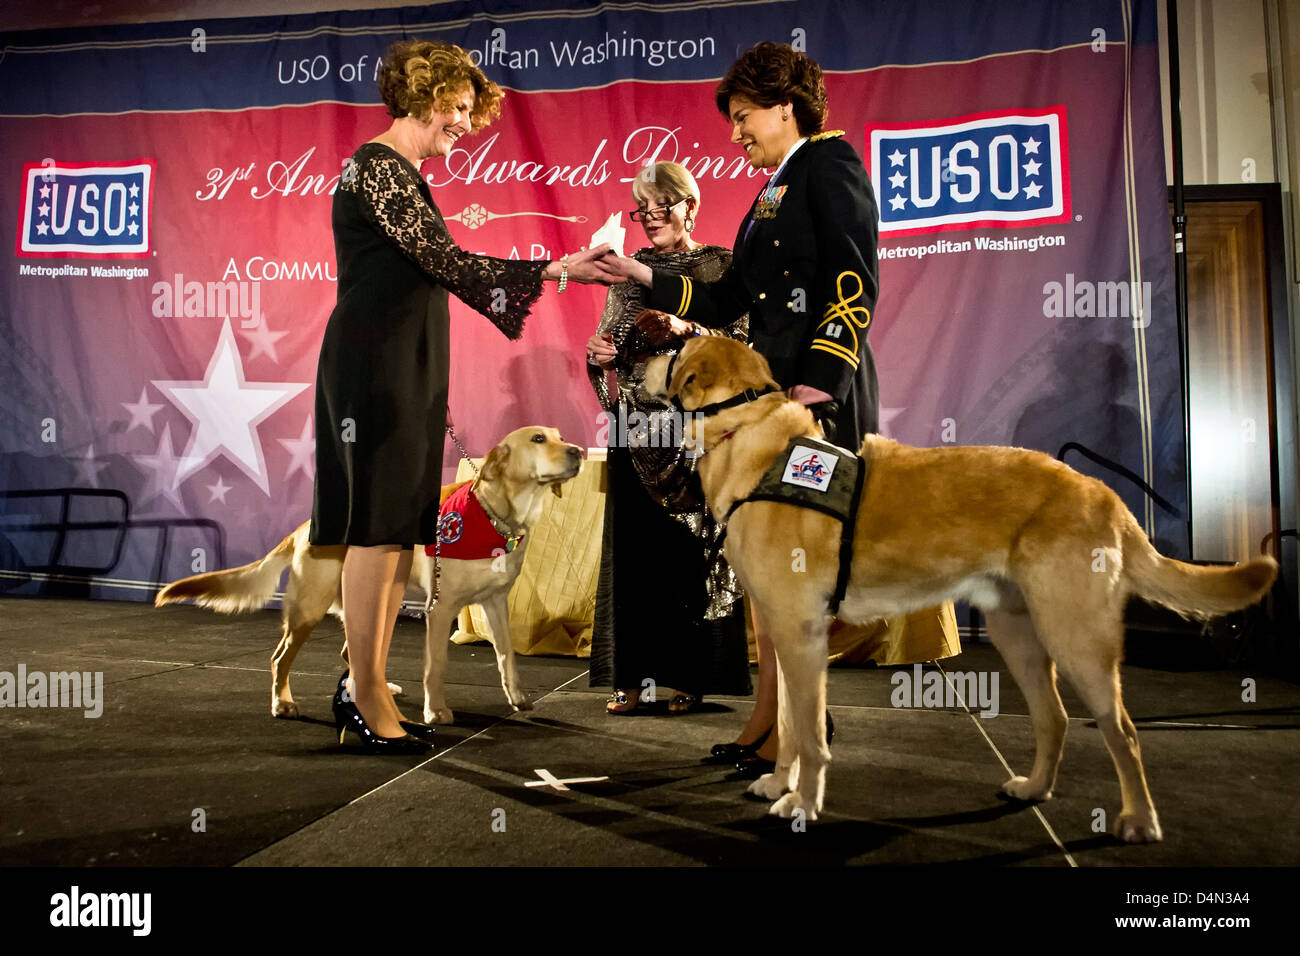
[(768, 787), (394, 689), (1018, 788), (521, 702), (439, 715), (286, 709), (786, 807), (1138, 828)]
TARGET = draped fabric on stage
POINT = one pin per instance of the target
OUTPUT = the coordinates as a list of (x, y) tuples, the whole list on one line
[(168, 188)]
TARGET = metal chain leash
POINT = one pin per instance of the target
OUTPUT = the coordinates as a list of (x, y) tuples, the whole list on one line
[(463, 453)]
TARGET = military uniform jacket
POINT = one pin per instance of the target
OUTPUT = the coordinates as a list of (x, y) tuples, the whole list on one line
[(804, 268)]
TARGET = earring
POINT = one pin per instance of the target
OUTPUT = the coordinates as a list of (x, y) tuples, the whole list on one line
[(690, 223), (784, 116)]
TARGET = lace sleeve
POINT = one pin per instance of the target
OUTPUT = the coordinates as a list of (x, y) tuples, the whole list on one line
[(503, 290)]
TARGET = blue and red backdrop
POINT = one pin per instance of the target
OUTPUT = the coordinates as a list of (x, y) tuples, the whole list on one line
[(168, 191)]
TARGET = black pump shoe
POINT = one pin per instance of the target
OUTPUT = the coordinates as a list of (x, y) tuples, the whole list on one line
[(416, 729), (412, 727), (726, 753), (348, 717), (753, 766)]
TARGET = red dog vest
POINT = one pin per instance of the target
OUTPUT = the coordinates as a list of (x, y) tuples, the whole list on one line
[(466, 532)]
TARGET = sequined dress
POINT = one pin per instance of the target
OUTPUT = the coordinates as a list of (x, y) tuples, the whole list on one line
[(663, 612), (381, 382)]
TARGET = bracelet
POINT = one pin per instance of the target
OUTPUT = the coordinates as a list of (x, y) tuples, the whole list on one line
[(564, 275)]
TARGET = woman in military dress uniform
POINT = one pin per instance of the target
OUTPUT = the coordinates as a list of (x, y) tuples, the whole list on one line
[(804, 269)]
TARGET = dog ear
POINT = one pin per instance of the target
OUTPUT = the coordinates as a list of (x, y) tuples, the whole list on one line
[(496, 460), (690, 377)]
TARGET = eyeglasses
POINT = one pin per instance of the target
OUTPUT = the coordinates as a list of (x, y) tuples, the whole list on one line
[(654, 213)]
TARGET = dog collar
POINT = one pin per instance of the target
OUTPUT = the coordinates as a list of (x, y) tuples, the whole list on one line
[(502, 527), (748, 395)]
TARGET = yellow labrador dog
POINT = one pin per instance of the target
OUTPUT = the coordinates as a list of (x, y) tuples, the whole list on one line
[(511, 489), (1050, 555)]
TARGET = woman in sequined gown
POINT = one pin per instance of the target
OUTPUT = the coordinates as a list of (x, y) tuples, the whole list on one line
[(667, 616), (381, 384)]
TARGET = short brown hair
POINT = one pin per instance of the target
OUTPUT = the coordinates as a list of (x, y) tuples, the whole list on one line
[(420, 75), (773, 73)]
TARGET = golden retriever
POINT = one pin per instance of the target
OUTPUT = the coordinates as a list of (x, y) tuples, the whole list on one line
[(1049, 555), (511, 486)]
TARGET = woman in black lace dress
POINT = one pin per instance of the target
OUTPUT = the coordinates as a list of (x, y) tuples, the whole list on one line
[(381, 385), (668, 606)]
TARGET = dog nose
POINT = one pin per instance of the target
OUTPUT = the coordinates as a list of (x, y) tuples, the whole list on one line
[(573, 451)]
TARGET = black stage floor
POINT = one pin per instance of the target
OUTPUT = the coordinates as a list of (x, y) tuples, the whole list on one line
[(186, 726)]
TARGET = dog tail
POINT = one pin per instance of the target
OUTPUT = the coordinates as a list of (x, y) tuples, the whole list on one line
[(238, 589), (1194, 591)]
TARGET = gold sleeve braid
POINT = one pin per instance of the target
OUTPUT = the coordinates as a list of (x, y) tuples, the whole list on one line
[(837, 333), (503, 290)]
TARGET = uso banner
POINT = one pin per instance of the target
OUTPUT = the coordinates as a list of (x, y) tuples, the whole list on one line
[(168, 189)]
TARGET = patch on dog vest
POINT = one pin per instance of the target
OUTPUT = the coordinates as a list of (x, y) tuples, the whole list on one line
[(464, 530), (809, 468), (814, 474)]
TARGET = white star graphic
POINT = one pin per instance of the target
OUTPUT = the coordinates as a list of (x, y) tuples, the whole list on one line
[(133, 209), (135, 190), (45, 191), (303, 449), (43, 209), (88, 469), (162, 466), (263, 340), (896, 158), (226, 411), (1033, 189), (1031, 168), (218, 491), (897, 180), (887, 415), (142, 412), (1031, 146), (898, 202), (42, 228)]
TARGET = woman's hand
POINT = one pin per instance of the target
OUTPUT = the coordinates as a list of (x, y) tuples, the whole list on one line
[(587, 266), (660, 328), (629, 268), (600, 351)]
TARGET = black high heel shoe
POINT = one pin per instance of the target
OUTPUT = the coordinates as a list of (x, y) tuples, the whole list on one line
[(412, 727), (726, 753), (348, 717), (752, 766)]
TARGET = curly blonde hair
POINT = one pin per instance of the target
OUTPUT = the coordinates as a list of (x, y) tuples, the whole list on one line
[(418, 76)]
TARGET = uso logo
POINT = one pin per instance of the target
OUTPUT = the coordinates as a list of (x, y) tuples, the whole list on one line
[(1006, 168), (86, 210)]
